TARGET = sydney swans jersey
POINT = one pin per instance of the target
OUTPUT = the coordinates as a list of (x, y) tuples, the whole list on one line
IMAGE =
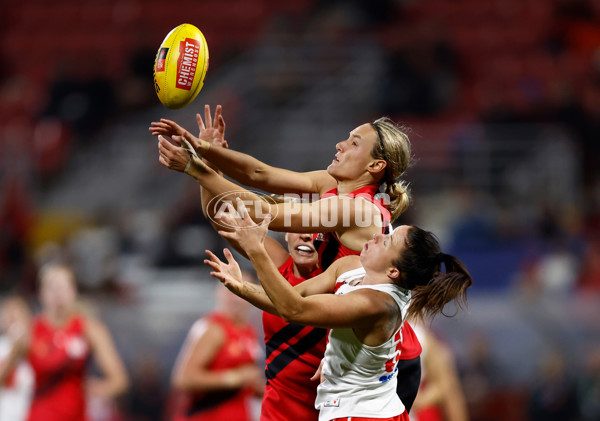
[(360, 380)]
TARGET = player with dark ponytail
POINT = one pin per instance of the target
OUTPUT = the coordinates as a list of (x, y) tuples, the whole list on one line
[(421, 266), (372, 297)]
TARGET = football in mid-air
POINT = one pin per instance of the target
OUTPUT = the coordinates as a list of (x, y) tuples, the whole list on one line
[(180, 66)]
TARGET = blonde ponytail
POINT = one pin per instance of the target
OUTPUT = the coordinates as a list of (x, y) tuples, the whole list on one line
[(399, 194), (394, 147)]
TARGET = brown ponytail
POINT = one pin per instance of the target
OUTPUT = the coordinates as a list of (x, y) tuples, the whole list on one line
[(420, 263)]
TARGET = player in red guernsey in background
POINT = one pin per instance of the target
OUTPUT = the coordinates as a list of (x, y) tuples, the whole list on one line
[(440, 396), (216, 372), (58, 345)]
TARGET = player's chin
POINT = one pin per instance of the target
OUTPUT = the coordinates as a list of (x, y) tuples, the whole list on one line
[(332, 170)]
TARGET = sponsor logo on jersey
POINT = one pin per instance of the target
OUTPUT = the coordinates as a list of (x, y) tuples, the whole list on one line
[(189, 50), (335, 402), (384, 379)]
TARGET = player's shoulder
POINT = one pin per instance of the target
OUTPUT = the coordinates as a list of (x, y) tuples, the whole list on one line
[(346, 264), (211, 325)]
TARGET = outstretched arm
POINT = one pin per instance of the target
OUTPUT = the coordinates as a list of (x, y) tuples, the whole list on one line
[(230, 275), (214, 133), (247, 169), (359, 309), (337, 213)]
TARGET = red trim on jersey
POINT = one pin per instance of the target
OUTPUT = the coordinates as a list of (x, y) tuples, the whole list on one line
[(401, 417), (411, 347)]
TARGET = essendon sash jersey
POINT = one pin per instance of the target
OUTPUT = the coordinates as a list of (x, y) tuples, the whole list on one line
[(328, 244), (293, 354), (58, 357)]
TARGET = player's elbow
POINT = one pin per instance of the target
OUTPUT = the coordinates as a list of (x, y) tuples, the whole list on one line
[(291, 314), (257, 176)]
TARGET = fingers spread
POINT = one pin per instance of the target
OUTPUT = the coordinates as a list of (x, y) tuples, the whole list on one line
[(212, 256), (212, 265), (207, 116), (200, 122), (227, 235)]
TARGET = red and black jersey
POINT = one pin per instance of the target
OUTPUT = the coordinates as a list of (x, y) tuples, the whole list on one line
[(293, 354), (58, 356), (328, 244), (238, 349)]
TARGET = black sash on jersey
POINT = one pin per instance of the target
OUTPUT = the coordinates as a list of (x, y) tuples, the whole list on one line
[(308, 341)]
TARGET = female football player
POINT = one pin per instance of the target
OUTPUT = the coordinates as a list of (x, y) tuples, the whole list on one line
[(371, 300), (349, 211), (348, 215)]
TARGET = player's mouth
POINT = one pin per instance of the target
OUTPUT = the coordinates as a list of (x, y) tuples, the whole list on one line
[(305, 251)]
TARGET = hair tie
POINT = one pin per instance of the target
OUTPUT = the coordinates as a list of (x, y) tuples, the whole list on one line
[(441, 257)]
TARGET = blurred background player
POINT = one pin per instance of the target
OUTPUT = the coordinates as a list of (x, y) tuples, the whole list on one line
[(440, 396), (58, 345), (15, 393), (216, 371)]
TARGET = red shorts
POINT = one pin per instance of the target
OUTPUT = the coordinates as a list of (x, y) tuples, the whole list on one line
[(402, 417)]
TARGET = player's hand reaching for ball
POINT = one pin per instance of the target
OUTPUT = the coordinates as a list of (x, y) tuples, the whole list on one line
[(179, 158), (247, 233), (168, 128), (214, 130), (228, 273)]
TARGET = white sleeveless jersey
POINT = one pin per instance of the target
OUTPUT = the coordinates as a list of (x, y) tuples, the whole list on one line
[(15, 397), (360, 380)]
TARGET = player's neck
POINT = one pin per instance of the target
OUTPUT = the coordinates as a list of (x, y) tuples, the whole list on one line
[(375, 278), (302, 271), (345, 187), (57, 318)]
